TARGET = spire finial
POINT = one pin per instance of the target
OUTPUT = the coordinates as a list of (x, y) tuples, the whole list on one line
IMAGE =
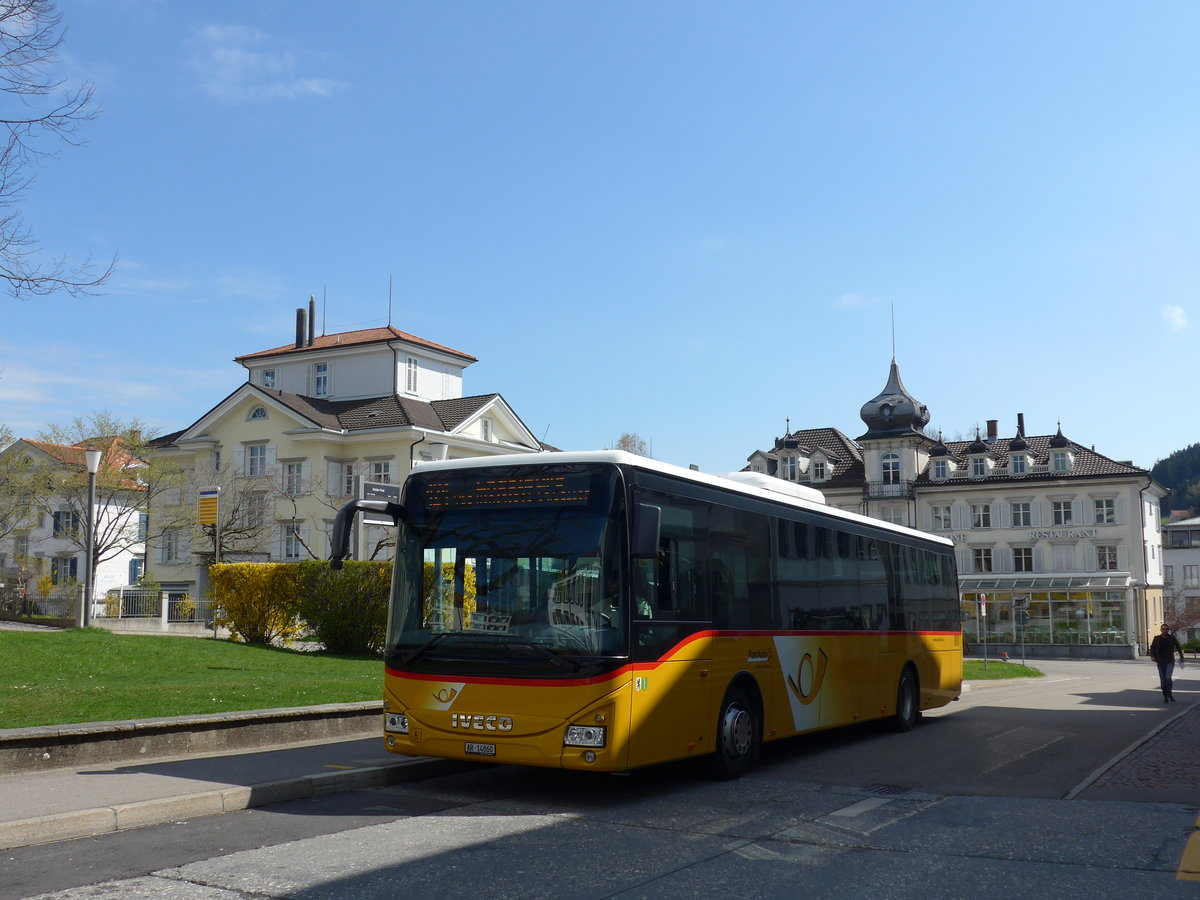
[(893, 332)]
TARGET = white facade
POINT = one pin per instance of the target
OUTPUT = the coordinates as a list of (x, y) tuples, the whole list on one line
[(52, 544), (1181, 551), (1062, 545), (314, 420)]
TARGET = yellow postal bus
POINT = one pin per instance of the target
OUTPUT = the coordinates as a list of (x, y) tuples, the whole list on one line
[(601, 611)]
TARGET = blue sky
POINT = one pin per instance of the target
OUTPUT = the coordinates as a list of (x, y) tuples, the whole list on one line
[(689, 220)]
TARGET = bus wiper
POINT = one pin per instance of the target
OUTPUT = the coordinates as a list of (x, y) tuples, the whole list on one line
[(562, 662), (428, 645)]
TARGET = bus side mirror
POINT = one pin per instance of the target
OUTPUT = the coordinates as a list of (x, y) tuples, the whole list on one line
[(339, 541), (647, 523)]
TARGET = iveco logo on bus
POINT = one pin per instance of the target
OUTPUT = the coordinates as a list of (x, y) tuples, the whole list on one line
[(481, 723)]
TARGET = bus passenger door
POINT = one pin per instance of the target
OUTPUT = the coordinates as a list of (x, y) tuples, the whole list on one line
[(671, 713)]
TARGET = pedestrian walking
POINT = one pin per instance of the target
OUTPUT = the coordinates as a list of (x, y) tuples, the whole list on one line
[(1163, 650)]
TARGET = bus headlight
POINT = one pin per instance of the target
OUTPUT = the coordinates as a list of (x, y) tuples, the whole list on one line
[(585, 736), (396, 723)]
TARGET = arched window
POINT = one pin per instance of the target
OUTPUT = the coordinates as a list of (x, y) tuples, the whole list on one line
[(891, 468)]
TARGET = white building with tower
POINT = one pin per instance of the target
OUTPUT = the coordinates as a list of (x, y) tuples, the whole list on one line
[(1061, 545)]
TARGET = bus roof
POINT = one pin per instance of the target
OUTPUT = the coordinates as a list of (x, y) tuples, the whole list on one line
[(751, 484)]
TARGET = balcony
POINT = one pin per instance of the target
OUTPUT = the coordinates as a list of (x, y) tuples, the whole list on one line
[(890, 490)]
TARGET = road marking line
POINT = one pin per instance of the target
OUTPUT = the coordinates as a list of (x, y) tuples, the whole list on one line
[(1189, 863), (862, 806)]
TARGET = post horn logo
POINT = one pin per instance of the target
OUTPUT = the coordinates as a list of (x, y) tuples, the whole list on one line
[(445, 695), (809, 675)]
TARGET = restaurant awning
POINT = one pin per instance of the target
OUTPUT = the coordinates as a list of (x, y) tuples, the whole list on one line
[(1009, 583)]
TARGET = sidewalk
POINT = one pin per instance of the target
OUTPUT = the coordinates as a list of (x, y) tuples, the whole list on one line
[(63, 804)]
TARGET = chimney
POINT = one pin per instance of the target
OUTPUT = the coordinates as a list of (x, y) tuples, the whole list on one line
[(1021, 423), (300, 328), (312, 318), (992, 430)]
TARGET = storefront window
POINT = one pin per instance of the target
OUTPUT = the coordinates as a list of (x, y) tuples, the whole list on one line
[(1054, 617)]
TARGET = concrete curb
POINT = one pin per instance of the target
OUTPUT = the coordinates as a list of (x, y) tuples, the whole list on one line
[(94, 743), (106, 820)]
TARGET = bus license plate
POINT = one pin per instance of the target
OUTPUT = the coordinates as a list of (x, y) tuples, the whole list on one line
[(480, 749)]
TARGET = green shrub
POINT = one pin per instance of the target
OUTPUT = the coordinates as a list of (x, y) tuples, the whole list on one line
[(256, 601), (346, 609), (1192, 646)]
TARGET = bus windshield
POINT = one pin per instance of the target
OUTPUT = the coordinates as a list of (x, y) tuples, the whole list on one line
[(506, 567)]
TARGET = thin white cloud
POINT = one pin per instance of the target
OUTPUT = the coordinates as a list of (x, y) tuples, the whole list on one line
[(1175, 317), (251, 285), (238, 64), (853, 300)]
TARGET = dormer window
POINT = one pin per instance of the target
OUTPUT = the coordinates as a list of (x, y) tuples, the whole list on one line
[(1060, 461), (1018, 464), (787, 468), (979, 467), (941, 469), (819, 470), (268, 378)]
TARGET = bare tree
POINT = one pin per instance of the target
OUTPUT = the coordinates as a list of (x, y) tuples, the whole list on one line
[(631, 442), (40, 110), (1181, 610), (128, 481)]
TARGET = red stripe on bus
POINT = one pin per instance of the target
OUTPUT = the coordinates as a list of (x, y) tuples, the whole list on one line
[(649, 665)]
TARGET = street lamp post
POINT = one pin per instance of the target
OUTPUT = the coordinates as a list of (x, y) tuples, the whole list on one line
[(89, 578)]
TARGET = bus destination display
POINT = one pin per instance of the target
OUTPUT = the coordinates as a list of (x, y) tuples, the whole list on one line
[(542, 490)]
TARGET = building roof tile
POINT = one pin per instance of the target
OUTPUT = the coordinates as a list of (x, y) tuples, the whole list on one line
[(347, 339)]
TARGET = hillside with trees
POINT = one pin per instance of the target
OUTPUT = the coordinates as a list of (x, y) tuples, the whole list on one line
[(1181, 473)]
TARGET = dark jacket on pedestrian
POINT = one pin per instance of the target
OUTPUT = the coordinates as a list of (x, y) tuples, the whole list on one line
[(1163, 647)]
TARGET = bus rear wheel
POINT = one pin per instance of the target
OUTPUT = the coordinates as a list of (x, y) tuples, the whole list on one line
[(908, 701), (737, 734)]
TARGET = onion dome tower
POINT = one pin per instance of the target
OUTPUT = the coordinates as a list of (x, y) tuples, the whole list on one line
[(894, 412)]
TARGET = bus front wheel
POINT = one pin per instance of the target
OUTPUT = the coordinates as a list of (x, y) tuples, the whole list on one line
[(908, 701), (737, 734)]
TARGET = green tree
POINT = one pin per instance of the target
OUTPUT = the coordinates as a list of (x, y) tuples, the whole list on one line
[(1180, 472), (21, 489)]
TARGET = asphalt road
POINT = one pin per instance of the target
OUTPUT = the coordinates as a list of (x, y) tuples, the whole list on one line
[(985, 798)]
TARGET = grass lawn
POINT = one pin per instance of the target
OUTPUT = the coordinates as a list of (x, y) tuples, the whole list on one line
[(92, 675), (973, 670)]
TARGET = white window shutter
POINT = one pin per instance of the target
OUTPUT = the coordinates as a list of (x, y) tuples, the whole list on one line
[(929, 518), (277, 542), (306, 476), (1039, 559), (1090, 561), (1077, 512), (1122, 557), (239, 461), (1122, 511), (271, 458)]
